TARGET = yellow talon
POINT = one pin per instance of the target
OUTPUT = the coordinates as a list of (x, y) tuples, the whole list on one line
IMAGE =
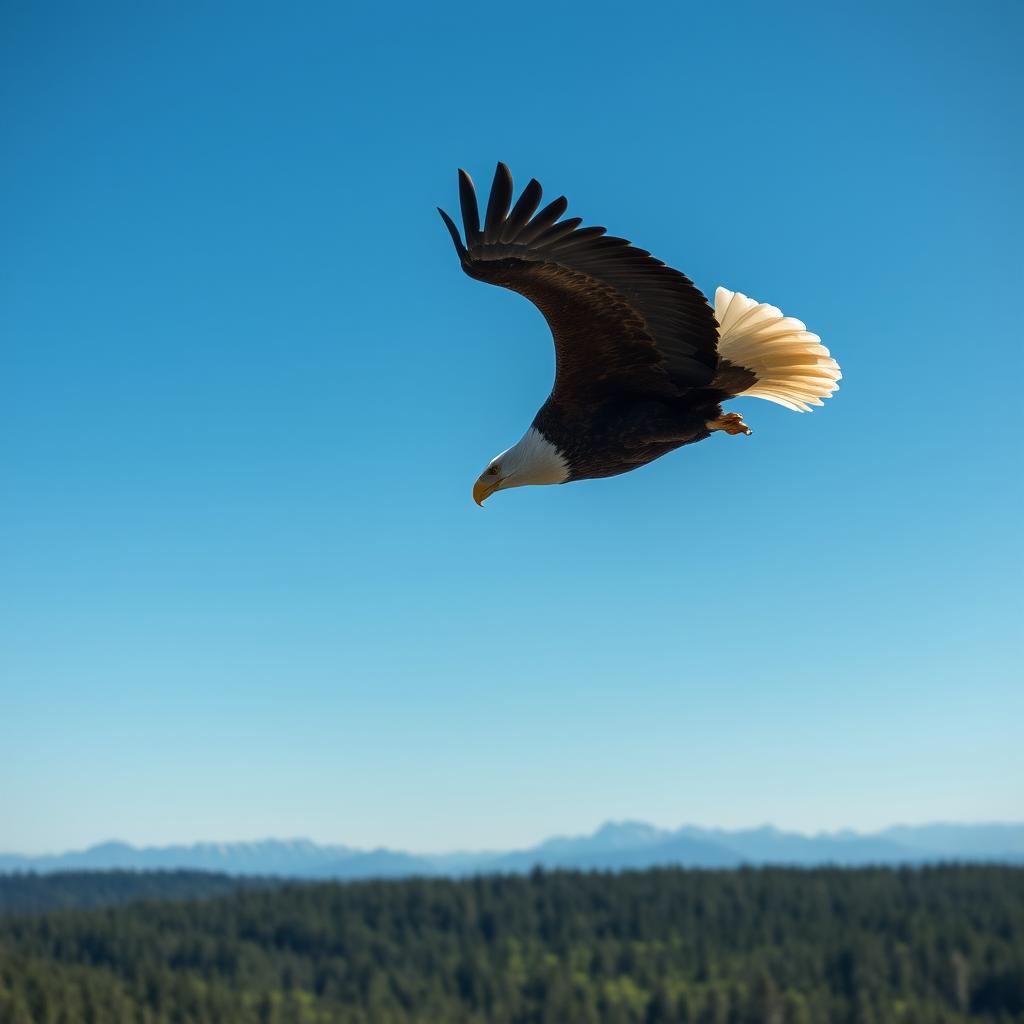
[(731, 423)]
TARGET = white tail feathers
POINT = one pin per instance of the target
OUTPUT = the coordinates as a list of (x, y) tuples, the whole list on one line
[(793, 368)]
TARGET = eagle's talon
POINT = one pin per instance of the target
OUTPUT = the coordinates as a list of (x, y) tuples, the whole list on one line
[(731, 423)]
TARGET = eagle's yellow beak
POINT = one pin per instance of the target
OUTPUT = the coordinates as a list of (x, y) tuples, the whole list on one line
[(483, 489)]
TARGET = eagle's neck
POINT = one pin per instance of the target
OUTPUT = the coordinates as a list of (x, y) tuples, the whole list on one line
[(535, 460)]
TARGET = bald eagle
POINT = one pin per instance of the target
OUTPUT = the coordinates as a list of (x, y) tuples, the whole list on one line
[(643, 363)]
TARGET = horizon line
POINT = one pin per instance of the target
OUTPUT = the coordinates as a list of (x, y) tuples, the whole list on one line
[(477, 851)]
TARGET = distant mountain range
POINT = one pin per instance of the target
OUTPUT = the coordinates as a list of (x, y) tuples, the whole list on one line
[(614, 846)]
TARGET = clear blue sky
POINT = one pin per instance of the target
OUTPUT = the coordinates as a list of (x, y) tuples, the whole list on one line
[(246, 391)]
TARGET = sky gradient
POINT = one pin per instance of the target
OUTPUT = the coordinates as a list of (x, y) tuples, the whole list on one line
[(244, 591)]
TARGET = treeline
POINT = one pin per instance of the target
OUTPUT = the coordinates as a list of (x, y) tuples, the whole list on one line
[(769, 946), (28, 892)]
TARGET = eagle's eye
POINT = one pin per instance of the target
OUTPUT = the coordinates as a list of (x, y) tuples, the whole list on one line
[(493, 471)]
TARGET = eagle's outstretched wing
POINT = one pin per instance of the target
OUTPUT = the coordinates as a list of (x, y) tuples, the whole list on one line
[(622, 321)]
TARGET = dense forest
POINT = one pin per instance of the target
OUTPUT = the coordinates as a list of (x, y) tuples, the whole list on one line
[(769, 946), (62, 890)]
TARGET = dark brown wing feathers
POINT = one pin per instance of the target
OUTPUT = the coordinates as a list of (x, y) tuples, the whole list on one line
[(470, 211), (543, 221), (525, 208), (620, 318), (454, 232)]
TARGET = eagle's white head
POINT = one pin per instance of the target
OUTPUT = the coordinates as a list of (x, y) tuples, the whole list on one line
[(532, 460)]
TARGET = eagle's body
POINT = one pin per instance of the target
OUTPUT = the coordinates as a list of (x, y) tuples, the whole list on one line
[(643, 363), (620, 433)]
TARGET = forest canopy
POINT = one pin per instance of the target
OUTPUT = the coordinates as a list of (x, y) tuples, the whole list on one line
[(764, 946)]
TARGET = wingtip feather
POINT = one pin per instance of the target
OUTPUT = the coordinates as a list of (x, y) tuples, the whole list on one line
[(498, 203), (454, 232), (524, 209), (470, 210)]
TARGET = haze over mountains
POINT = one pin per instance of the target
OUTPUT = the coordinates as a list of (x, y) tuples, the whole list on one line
[(613, 846)]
